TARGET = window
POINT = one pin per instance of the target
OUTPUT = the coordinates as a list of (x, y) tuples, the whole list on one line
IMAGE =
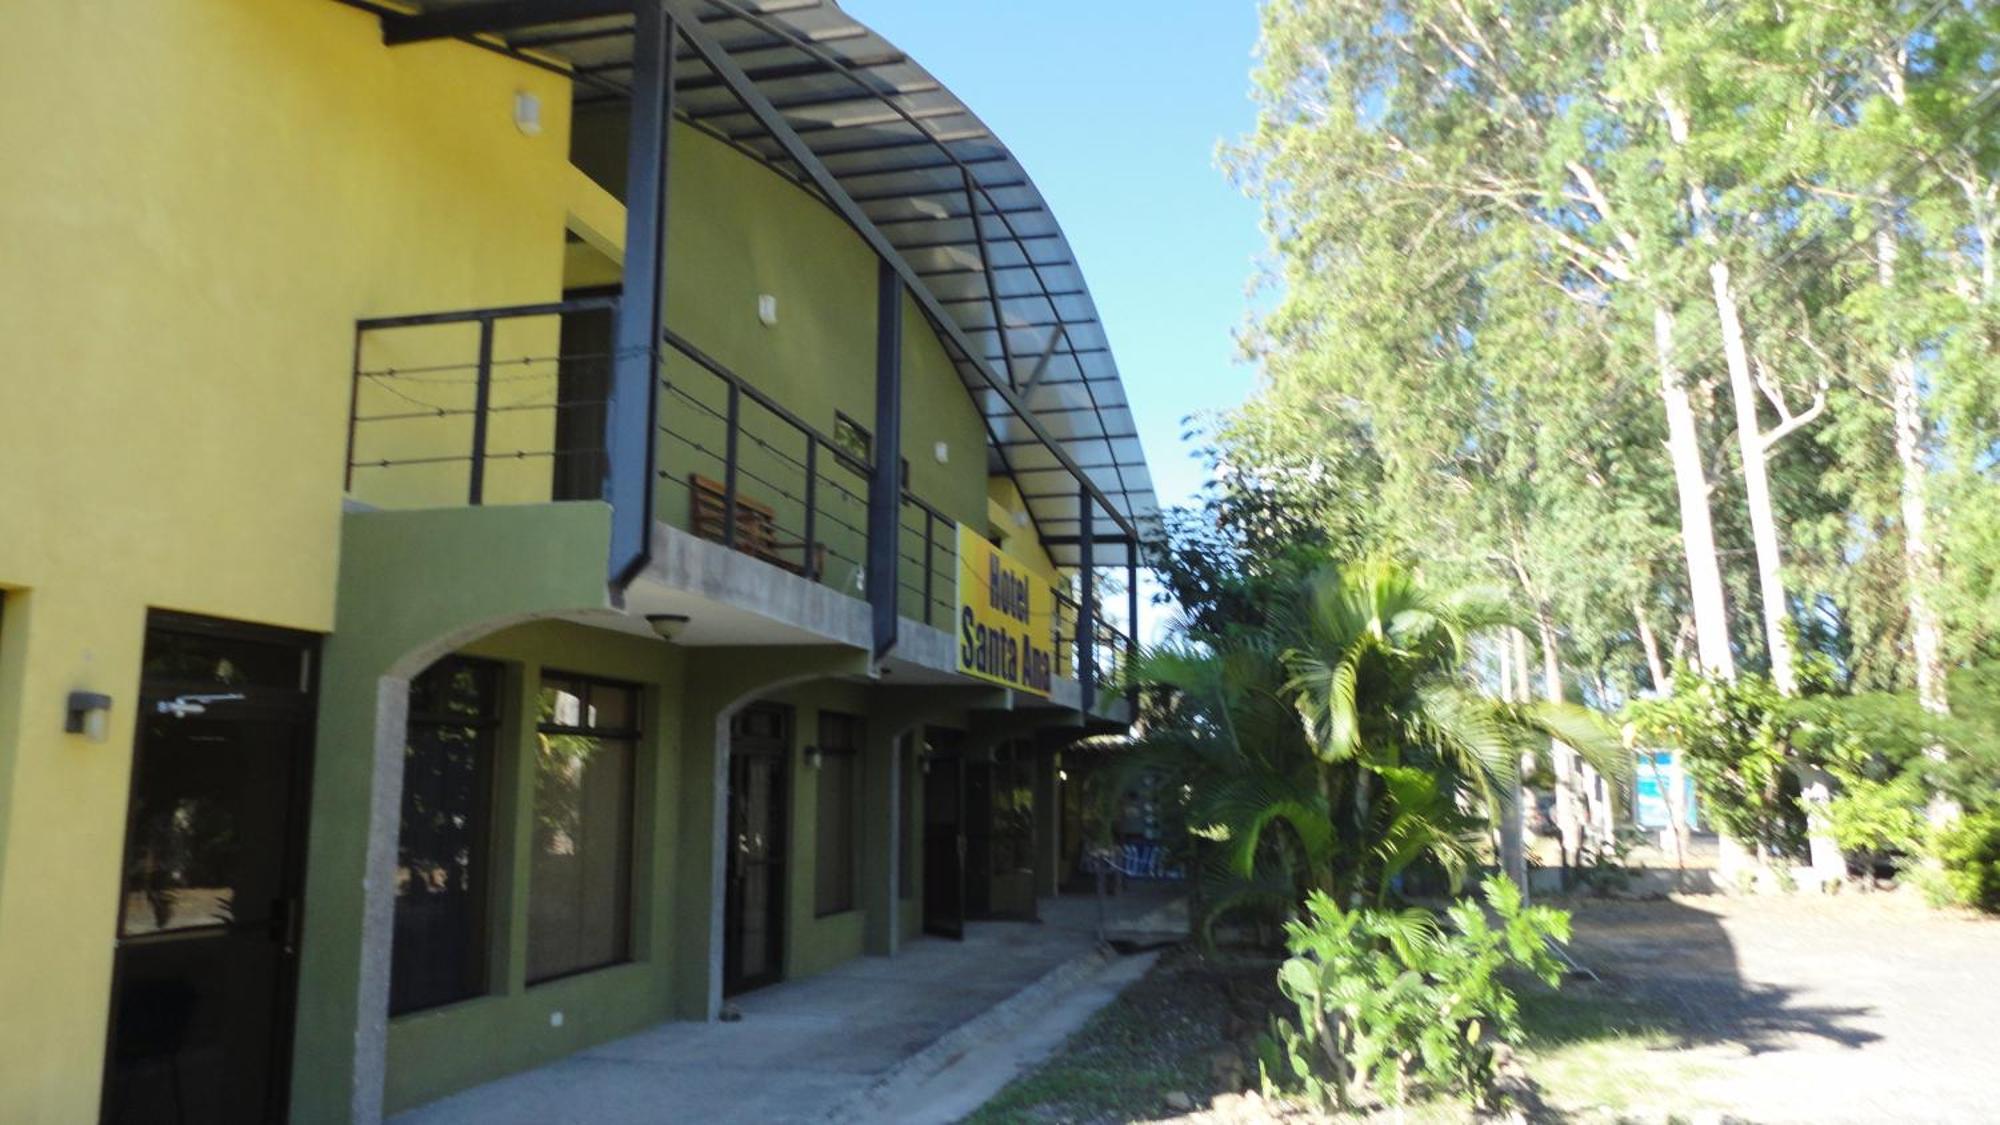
[(839, 776), (852, 439), (580, 874), (441, 855)]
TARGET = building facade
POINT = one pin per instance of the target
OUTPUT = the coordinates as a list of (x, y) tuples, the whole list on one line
[(518, 520)]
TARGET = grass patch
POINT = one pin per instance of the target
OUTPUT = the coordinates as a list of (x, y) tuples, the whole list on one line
[(1174, 1030), (1591, 1047), (1593, 1050)]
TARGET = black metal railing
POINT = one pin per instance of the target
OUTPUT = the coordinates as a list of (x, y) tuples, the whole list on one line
[(738, 467), (508, 405), (476, 407), (1108, 645), (928, 576)]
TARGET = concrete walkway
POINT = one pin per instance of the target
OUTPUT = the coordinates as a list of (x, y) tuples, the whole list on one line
[(806, 1050)]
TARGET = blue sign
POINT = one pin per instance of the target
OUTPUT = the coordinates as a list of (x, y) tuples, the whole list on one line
[(1657, 774)]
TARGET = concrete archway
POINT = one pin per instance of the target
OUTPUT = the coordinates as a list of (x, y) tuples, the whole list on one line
[(414, 586)]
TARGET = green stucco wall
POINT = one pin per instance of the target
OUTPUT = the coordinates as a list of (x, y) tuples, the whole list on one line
[(411, 584), (738, 230), (435, 1052)]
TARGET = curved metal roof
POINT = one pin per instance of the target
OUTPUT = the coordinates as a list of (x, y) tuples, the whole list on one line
[(942, 189)]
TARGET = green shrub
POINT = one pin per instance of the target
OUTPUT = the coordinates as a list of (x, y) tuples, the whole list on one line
[(1874, 820), (1393, 1002), (1968, 858)]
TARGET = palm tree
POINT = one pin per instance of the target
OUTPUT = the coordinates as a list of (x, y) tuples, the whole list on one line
[(1343, 741)]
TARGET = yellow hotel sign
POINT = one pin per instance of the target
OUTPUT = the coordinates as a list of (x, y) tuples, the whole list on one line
[(1006, 618)]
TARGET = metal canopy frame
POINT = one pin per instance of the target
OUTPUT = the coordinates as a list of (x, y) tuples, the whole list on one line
[(824, 100)]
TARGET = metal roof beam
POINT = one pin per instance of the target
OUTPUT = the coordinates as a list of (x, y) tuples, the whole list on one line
[(778, 72), (903, 194), (954, 217), (717, 57), (1048, 294), (495, 17), (837, 97)]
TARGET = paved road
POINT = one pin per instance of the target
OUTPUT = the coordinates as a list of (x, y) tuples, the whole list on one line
[(1857, 1008)]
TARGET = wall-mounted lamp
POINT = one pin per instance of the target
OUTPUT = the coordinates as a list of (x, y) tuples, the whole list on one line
[(767, 309), (528, 113), (668, 625), (942, 451), (815, 757), (89, 715)]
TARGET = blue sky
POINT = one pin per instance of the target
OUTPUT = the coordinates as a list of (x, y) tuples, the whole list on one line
[(1115, 107)]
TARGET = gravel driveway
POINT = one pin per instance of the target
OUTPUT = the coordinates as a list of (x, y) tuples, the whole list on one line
[(1853, 1008)]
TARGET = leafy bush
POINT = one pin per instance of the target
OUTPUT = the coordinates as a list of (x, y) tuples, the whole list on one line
[(1604, 867), (1968, 855), (1338, 744), (1875, 820), (1735, 738), (1393, 1002)]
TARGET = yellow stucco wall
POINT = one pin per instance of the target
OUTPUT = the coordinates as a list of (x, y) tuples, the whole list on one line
[(200, 198), (1006, 510)]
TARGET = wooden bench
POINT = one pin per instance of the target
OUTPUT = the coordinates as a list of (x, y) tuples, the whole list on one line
[(756, 527)]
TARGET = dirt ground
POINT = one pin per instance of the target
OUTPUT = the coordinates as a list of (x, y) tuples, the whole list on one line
[(1778, 1009), (1803, 1008)]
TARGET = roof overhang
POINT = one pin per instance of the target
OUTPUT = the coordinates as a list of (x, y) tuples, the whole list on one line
[(827, 102)]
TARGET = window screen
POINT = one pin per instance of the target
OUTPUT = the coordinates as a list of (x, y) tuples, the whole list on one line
[(439, 954), (580, 873)]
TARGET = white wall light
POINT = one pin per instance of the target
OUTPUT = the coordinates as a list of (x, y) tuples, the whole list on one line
[(941, 451), (528, 113), (767, 308), (668, 626), (88, 714)]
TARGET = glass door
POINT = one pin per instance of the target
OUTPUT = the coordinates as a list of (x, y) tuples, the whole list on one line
[(207, 940), (754, 913)]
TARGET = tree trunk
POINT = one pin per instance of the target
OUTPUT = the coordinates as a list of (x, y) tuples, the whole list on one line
[(1513, 857), (1655, 667), (1569, 812), (1921, 573), (1920, 564), (1756, 483), (1522, 691), (1705, 595)]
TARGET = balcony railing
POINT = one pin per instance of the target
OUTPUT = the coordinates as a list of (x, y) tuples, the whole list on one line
[(476, 407), (508, 405), (1108, 643), (739, 468), (929, 574)]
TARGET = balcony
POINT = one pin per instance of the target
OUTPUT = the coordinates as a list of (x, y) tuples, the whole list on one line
[(509, 406)]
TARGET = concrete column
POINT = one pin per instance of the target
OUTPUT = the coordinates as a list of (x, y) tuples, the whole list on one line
[(1048, 822), (378, 898), (881, 829)]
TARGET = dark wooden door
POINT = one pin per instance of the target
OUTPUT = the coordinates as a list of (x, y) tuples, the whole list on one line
[(754, 911), (944, 837), (209, 904)]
